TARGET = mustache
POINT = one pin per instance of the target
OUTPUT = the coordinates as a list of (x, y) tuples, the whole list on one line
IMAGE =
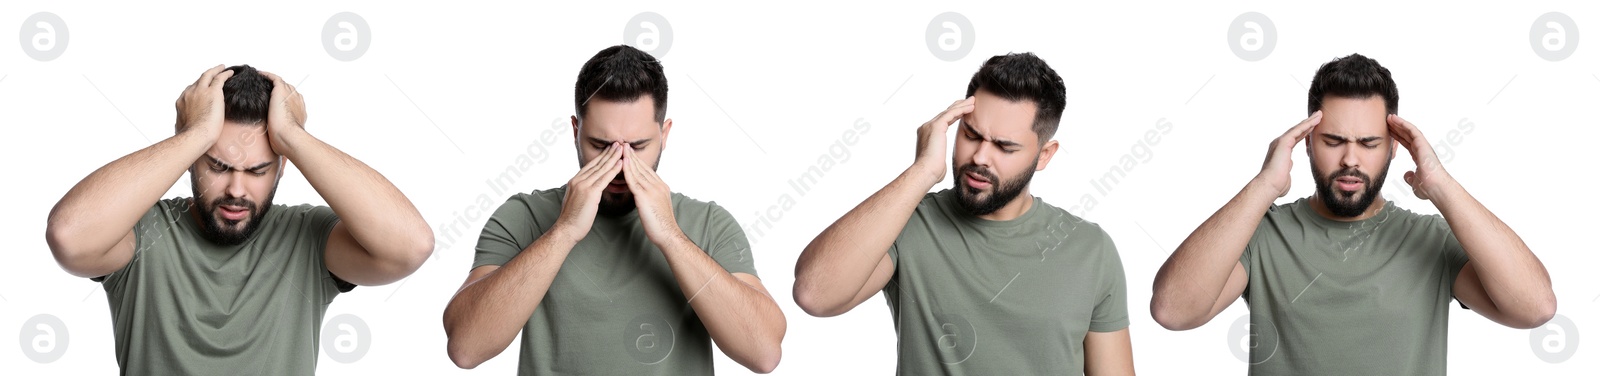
[(233, 201), (1351, 172)]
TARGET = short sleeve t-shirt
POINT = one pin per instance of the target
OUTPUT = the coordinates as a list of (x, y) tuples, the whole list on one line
[(977, 297), (614, 307), (1369, 297), (186, 306)]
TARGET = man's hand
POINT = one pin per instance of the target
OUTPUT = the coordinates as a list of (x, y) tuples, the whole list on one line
[(582, 199), (200, 106), (1275, 170), (651, 196), (1430, 173), (286, 113), (934, 135)]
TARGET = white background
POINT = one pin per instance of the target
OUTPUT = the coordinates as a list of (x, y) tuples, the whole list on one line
[(448, 95)]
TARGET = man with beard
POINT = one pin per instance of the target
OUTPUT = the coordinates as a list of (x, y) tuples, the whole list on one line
[(225, 280), (615, 252), (983, 278), (1345, 282)]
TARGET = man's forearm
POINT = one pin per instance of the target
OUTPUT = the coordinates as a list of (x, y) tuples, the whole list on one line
[(834, 267), (1512, 276), (743, 320), (1188, 285), (378, 215), (104, 206), (483, 318)]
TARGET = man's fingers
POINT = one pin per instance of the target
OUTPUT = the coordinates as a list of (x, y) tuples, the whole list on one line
[(205, 78), (610, 167), (588, 168), (1404, 131), (280, 89), (943, 115), (1303, 130), (629, 170), (955, 113), (642, 171), (220, 78), (597, 164), (614, 164)]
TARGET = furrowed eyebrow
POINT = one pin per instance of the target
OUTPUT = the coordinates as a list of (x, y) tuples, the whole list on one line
[(227, 166), (261, 166), (219, 162), (598, 141), (1363, 140), (1002, 142), (967, 126)]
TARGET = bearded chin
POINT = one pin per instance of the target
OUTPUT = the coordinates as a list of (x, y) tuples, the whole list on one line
[(214, 229), (615, 204), (1343, 206), (971, 200)]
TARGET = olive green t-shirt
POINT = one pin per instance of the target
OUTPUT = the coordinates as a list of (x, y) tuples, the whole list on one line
[(186, 306), (1369, 297), (977, 297), (614, 307)]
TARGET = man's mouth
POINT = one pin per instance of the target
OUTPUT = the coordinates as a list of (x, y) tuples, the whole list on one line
[(976, 180), (233, 212), (1348, 183)]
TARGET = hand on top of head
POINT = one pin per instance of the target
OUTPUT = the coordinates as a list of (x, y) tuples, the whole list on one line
[(200, 106)]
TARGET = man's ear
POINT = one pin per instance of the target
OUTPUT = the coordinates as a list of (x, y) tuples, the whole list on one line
[(1393, 146), (666, 128), (575, 124), (1046, 153)]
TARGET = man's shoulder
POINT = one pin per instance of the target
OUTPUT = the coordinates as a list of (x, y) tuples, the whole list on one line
[(685, 206), (526, 204), (1076, 226), (301, 211), (934, 202)]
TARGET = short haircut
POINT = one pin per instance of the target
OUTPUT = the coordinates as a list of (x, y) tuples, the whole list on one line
[(247, 94), (621, 74), (1017, 77), (1354, 77)]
